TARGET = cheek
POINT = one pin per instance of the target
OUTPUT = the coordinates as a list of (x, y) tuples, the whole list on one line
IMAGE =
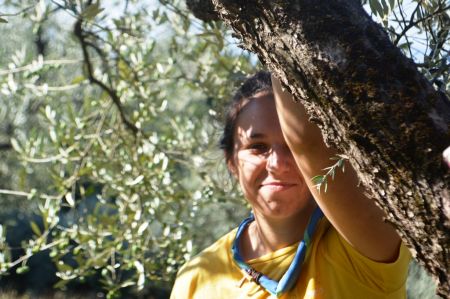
[(298, 172), (244, 173), (249, 166)]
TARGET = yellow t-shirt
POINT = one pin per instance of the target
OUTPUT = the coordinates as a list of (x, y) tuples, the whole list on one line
[(332, 270)]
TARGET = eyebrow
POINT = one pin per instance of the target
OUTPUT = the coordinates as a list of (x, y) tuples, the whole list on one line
[(256, 135)]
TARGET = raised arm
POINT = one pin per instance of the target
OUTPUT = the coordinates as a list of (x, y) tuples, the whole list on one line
[(354, 215)]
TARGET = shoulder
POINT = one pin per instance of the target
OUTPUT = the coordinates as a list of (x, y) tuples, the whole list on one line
[(218, 252), (347, 260), (204, 266)]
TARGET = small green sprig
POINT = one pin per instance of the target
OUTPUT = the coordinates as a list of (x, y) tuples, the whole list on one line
[(320, 180)]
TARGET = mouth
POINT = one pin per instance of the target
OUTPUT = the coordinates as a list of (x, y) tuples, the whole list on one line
[(279, 186)]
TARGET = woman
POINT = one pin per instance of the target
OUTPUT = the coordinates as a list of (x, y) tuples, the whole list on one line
[(287, 248)]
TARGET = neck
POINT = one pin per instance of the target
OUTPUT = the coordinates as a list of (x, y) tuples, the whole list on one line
[(265, 235)]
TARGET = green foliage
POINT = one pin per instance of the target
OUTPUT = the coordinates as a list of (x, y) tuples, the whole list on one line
[(421, 30), (322, 180), (114, 131), (110, 118)]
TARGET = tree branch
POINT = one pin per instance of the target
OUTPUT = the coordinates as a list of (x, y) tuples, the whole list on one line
[(78, 31), (409, 26), (370, 102)]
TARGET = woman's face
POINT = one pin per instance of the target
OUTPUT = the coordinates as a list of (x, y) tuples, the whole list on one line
[(263, 163)]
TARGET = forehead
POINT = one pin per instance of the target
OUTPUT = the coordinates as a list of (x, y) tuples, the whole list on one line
[(257, 117)]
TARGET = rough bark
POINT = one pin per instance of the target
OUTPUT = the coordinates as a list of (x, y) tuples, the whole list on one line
[(370, 102)]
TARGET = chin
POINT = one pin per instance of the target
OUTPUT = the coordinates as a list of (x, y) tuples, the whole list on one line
[(283, 207), (281, 212)]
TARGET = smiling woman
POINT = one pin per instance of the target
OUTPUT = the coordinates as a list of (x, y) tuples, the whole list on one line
[(298, 242), (264, 165)]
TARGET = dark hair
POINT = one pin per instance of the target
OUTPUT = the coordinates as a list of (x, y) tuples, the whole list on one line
[(259, 82)]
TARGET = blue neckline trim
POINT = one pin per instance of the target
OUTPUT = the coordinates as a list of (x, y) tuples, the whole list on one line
[(291, 275)]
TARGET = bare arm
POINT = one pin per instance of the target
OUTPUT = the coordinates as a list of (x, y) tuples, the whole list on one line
[(354, 215)]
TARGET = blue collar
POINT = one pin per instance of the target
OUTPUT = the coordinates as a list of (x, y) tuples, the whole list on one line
[(290, 277)]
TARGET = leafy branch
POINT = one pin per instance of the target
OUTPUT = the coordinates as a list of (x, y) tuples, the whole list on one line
[(2, 15), (322, 180), (410, 24), (90, 72)]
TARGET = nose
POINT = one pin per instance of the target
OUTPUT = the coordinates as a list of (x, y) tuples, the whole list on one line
[(279, 159)]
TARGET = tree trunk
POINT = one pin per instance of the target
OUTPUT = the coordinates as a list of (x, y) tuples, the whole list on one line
[(370, 102)]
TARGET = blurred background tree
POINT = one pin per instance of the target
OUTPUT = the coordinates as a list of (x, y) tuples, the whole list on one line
[(110, 116)]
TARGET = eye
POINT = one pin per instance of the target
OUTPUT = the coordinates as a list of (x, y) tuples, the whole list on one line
[(258, 147)]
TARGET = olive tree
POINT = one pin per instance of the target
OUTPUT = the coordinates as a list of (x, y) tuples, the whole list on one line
[(388, 114)]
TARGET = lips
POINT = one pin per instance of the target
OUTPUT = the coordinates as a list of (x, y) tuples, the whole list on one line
[(278, 185)]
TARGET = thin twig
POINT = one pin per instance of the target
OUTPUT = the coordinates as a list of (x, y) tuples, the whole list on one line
[(410, 23), (27, 194), (33, 65), (28, 255), (404, 22), (418, 21), (52, 88), (81, 160), (17, 13)]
